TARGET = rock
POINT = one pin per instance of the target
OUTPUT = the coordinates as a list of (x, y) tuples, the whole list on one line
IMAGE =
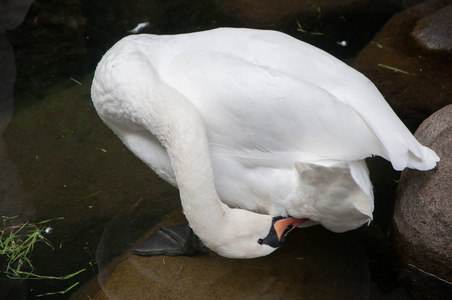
[(422, 224), (416, 81), (314, 264), (435, 30)]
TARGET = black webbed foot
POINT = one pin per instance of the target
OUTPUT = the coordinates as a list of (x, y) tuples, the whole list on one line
[(176, 240)]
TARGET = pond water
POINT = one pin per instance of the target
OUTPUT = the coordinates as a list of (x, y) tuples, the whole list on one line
[(57, 159)]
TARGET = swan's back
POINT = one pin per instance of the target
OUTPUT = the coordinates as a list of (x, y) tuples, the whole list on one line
[(246, 70)]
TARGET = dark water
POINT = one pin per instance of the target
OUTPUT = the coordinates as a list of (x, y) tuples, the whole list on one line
[(57, 159)]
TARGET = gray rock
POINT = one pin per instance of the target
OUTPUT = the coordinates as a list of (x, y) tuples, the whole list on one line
[(422, 224), (435, 30)]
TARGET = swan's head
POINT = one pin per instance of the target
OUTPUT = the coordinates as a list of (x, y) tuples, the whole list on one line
[(249, 235)]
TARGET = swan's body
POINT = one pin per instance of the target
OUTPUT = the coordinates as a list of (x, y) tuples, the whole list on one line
[(262, 121)]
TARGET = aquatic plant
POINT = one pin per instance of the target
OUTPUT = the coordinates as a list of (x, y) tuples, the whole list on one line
[(16, 245)]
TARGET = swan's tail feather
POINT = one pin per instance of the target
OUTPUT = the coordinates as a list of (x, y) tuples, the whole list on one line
[(413, 155), (399, 144), (424, 160)]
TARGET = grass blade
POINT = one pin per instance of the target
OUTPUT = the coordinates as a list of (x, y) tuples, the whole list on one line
[(395, 69), (60, 292)]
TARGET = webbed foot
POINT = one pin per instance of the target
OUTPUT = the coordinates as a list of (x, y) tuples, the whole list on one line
[(176, 240)]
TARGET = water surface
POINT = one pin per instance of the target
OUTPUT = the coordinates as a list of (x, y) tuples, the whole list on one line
[(59, 160)]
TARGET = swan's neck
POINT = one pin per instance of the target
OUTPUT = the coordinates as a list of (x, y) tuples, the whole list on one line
[(174, 120), (179, 127)]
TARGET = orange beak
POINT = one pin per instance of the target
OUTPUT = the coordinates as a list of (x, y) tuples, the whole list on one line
[(284, 226)]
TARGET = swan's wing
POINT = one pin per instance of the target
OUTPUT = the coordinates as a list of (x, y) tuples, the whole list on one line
[(261, 114), (223, 52)]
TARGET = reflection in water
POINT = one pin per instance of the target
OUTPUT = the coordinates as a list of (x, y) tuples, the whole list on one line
[(13, 199), (85, 175), (12, 13)]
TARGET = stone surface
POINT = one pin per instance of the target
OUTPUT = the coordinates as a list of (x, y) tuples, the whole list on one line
[(313, 264), (435, 30), (423, 214), (423, 82)]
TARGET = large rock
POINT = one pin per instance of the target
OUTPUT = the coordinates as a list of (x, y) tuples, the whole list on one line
[(423, 214), (415, 80)]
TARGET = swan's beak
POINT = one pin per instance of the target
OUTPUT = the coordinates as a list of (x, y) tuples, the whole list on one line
[(280, 229), (284, 226)]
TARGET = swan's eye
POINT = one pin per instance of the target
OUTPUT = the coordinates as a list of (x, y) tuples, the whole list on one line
[(260, 241)]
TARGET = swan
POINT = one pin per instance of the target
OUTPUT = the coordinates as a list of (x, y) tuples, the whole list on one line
[(260, 132)]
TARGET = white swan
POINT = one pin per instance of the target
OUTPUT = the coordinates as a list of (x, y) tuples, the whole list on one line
[(268, 124)]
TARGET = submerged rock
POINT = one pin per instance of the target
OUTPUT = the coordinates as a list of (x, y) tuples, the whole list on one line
[(314, 264), (422, 224), (415, 80)]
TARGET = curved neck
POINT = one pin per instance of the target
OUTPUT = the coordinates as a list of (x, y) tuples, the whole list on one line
[(179, 127)]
